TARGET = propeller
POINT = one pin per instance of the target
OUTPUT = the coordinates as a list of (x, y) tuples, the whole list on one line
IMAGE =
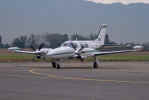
[(39, 48), (78, 52), (38, 55)]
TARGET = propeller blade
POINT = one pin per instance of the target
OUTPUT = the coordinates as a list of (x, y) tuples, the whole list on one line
[(41, 46), (78, 51), (33, 48), (73, 46)]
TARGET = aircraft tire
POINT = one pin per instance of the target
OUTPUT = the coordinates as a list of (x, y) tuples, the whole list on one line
[(53, 64), (95, 65), (58, 66)]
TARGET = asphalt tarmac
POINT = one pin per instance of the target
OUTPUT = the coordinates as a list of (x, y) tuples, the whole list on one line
[(74, 81)]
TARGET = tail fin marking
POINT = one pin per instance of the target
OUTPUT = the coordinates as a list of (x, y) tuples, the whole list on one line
[(101, 33)]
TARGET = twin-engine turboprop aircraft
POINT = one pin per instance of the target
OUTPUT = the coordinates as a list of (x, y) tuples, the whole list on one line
[(73, 49)]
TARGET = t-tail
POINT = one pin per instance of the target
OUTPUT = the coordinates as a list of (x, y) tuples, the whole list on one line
[(101, 33)]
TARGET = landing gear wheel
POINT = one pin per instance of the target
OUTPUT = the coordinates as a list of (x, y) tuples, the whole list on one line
[(95, 65), (58, 66), (53, 64)]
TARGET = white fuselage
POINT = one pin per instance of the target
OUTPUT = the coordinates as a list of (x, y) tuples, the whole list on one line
[(66, 51), (61, 52)]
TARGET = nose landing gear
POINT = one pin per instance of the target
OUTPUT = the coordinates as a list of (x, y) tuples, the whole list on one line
[(95, 63)]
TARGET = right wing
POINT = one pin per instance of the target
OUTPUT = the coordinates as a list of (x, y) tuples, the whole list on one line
[(25, 52)]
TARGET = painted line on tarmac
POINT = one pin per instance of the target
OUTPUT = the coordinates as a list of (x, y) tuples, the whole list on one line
[(87, 79)]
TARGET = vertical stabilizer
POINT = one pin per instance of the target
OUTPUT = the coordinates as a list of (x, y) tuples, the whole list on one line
[(101, 33)]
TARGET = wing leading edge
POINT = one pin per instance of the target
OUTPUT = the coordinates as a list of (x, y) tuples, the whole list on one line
[(25, 52)]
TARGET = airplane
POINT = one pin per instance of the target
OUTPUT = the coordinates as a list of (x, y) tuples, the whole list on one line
[(74, 49)]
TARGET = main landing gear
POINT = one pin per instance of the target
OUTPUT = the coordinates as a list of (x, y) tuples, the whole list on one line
[(95, 63), (55, 65)]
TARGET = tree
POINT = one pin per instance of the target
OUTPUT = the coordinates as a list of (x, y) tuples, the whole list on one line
[(146, 46), (108, 41), (93, 36), (32, 40), (20, 41), (55, 39), (1, 45), (79, 37), (0, 39)]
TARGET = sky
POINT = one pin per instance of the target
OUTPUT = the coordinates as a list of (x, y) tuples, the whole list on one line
[(127, 19), (124, 2)]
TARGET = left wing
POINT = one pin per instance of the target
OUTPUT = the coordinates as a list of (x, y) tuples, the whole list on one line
[(97, 53)]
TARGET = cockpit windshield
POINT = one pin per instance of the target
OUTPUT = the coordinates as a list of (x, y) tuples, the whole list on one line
[(69, 44), (66, 45)]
